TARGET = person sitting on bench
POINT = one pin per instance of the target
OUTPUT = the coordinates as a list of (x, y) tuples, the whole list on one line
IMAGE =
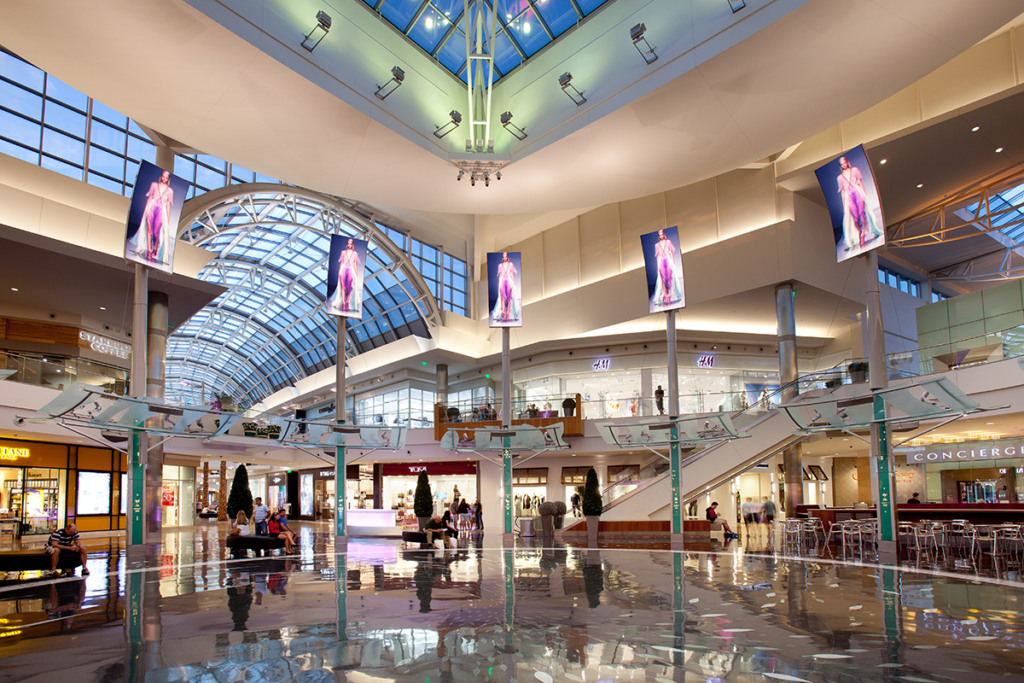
[(435, 528), (65, 541), (274, 530), (712, 516)]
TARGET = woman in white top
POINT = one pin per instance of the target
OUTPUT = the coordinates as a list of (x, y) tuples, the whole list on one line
[(241, 524)]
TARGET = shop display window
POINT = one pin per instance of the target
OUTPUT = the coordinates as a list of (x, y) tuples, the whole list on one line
[(93, 493)]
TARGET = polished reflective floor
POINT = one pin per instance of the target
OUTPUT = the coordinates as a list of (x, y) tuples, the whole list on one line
[(482, 612)]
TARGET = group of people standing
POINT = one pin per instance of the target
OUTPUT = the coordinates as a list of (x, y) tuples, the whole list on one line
[(754, 513)]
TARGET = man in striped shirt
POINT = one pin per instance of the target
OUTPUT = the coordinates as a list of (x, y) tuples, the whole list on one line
[(65, 541)]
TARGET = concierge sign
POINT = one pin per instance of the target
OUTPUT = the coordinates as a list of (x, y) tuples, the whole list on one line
[(957, 452)]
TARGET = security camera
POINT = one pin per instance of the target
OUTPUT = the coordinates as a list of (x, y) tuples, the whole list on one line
[(53, 315), (19, 420)]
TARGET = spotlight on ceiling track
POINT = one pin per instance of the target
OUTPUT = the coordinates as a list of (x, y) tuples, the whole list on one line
[(646, 51), (448, 127), (737, 5), (397, 76), (565, 80), (506, 122), (322, 28)]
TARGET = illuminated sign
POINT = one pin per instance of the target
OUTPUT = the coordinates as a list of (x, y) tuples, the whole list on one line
[(965, 451), (168, 495), (706, 361), (106, 346), (602, 364), (8, 453)]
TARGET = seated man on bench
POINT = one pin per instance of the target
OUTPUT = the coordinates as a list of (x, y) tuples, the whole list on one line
[(435, 528), (65, 541)]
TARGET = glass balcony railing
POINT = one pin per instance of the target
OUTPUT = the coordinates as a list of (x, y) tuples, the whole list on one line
[(57, 372)]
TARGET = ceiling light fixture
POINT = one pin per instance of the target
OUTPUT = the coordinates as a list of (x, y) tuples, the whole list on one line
[(637, 34), (506, 122), (998, 150), (920, 185), (565, 80), (447, 127), (737, 5), (103, 308), (975, 129), (322, 28), (397, 76), (15, 289), (883, 161)]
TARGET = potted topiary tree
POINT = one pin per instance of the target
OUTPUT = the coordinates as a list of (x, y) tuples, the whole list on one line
[(593, 506), (423, 503), (569, 406), (240, 497), (547, 511), (559, 513)]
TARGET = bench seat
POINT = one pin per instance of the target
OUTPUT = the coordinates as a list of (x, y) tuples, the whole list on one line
[(36, 560), (239, 543)]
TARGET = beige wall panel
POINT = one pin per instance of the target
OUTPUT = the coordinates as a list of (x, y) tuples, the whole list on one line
[(561, 258), (599, 244), (985, 69), (533, 269), (1017, 38), (693, 209), (824, 145), (637, 217), (20, 209), (65, 223), (737, 265), (746, 201), (902, 110)]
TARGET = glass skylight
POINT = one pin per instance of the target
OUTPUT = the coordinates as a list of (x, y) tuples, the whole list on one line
[(524, 27)]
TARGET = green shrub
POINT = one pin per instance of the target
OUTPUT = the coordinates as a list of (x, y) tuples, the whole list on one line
[(423, 503), (240, 497), (593, 506)]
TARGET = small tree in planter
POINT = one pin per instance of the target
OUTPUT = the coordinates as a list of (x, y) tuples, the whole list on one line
[(593, 506), (547, 511), (560, 510), (240, 497), (423, 503)]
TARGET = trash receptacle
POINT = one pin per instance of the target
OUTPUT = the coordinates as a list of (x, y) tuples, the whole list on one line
[(526, 526)]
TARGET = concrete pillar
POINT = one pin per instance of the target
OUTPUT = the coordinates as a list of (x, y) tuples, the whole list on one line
[(647, 392), (442, 384), (785, 311), (156, 353)]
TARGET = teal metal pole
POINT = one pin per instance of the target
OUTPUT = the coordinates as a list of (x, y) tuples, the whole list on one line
[(673, 413), (506, 421), (340, 536)]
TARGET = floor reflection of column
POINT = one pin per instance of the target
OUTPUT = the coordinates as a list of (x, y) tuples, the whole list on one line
[(678, 617), (341, 588), (892, 619), (510, 601)]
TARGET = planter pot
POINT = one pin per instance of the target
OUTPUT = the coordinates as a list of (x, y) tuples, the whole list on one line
[(547, 525), (593, 522), (558, 521)]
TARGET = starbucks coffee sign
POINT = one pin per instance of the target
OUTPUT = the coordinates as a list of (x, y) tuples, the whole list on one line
[(105, 346)]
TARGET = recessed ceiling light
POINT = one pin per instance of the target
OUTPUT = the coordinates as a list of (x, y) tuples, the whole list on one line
[(975, 129), (14, 289), (998, 150), (103, 308), (920, 185), (883, 161)]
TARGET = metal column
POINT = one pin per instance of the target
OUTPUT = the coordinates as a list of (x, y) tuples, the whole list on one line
[(506, 421), (156, 354), (673, 412), (340, 534), (785, 311)]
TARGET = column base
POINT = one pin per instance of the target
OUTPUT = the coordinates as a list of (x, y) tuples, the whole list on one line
[(508, 540), (888, 552), (676, 541), (340, 544)]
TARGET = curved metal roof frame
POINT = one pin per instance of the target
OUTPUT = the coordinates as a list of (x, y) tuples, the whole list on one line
[(274, 219)]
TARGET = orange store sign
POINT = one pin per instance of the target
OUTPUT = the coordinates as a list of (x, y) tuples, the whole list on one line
[(8, 453)]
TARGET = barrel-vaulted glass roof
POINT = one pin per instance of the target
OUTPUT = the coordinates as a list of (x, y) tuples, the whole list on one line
[(523, 27), (269, 328)]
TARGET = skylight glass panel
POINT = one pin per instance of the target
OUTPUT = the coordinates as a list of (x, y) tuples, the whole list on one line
[(453, 53), (588, 6), (506, 57), (429, 29), (558, 14), (400, 12), (528, 32)]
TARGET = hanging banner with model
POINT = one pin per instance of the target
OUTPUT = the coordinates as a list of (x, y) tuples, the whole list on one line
[(345, 276), (153, 217), (505, 289), (853, 203), (664, 264)]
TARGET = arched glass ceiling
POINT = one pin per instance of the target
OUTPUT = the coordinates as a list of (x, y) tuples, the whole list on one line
[(524, 27), (269, 329)]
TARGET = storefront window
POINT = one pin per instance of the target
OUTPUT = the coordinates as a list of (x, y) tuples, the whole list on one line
[(306, 495), (177, 496), (94, 493)]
